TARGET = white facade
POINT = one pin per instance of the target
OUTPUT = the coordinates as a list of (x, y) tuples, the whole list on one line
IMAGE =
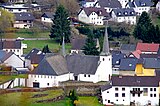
[(48, 80), (14, 61), (45, 19), (127, 19), (121, 95), (158, 6), (93, 18), (21, 24), (108, 9), (123, 3)]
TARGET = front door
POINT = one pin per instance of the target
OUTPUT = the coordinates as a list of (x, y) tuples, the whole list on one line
[(36, 84)]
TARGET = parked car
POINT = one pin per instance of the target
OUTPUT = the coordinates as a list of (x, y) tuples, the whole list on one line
[(19, 38)]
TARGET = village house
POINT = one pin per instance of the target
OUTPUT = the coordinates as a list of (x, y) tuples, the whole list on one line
[(126, 15), (123, 3), (75, 67), (158, 6), (15, 46), (108, 5), (92, 15), (23, 20), (140, 6), (47, 17), (131, 90), (18, 1)]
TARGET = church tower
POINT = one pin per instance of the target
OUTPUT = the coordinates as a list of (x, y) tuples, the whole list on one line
[(104, 70)]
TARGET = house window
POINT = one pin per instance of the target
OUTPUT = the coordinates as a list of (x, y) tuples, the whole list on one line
[(154, 95), (48, 84), (116, 89), (19, 9), (17, 50), (109, 101), (103, 59), (88, 75), (116, 94), (151, 95), (145, 91), (151, 89), (116, 99), (139, 95), (107, 91), (123, 89), (84, 75), (154, 89), (123, 94), (41, 76), (105, 99), (133, 94)]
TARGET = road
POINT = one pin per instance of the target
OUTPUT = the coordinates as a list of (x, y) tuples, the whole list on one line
[(31, 39)]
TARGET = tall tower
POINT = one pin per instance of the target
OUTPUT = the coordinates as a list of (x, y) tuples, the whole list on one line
[(105, 50), (63, 48)]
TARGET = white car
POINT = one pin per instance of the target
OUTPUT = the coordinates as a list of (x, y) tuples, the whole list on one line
[(19, 38)]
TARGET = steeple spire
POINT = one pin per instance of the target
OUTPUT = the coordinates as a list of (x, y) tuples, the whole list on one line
[(63, 48), (105, 50)]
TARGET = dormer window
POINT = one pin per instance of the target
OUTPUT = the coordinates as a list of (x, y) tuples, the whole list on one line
[(143, 4), (130, 65), (119, 13), (125, 13), (100, 12)]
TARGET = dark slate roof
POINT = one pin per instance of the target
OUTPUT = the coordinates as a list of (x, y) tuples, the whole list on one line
[(10, 44), (78, 43), (106, 87), (98, 11), (89, 0), (2, 54), (124, 12), (131, 4), (143, 3), (24, 16), (116, 58), (82, 64), (35, 56), (109, 3), (48, 15), (128, 64), (53, 65), (129, 47), (6, 56), (143, 81), (157, 72), (153, 63)]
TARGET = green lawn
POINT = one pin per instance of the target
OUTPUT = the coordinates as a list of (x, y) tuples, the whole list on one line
[(53, 46), (4, 78), (25, 99)]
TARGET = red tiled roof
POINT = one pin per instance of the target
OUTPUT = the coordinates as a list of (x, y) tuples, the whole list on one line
[(137, 53), (147, 47)]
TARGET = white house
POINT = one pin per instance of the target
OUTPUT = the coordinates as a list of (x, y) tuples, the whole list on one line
[(23, 20), (90, 3), (127, 90), (92, 15), (57, 68), (126, 15), (18, 1), (108, 5), (11, 59), (140, 6), (158, 6), (15, 46), (123, 3), (47, 17)]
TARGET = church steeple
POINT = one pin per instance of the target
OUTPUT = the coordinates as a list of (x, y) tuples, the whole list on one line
[(63, 48), (105, 50)]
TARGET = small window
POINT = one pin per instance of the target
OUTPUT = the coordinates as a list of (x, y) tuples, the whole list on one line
[(88, 75), (48, 84), (84, 75), (41, 76), (151, 89), (116, 94), (151, 95), (123, 89), (116, 89), (139, 95), (109, 101), (48, 76), (133, 94), (154, 89), (154, 95), (103, 59), (123, 94), (105, 99), (116, 99), (107, 91), (123, 99)]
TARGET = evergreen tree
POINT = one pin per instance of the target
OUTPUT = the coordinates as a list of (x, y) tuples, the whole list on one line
[(46, 49), (73, 97), (61, 25), (143, 27), (90, 46)]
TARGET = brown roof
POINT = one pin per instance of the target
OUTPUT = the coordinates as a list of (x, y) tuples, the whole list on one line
[(147, 47), (145, 81), (10, 44)]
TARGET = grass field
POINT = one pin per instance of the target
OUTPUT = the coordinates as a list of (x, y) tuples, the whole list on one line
[(25, 99), (53, 46)]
